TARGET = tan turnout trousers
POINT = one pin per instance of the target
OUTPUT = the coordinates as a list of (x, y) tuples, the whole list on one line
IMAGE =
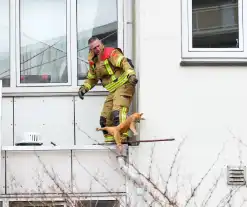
[(116, 107)]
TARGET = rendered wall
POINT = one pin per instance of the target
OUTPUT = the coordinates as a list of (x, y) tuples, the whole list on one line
[(204, 105), (61, 171), (66, 121), (62, 120)]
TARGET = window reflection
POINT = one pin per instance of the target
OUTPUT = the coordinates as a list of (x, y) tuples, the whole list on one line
[(4, 43), (94, 18), (43, 41)]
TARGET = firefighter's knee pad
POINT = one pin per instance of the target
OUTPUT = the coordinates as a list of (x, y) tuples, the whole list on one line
[(115, 116), (102, 123)]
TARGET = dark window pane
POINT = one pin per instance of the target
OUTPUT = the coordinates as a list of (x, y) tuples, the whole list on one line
[(78, 203), (4, 43), (43, 41), (215, 24), (35, 204), (95, 203), (94, 18)]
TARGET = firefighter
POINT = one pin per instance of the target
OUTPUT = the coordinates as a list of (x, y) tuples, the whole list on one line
[(117, 75)]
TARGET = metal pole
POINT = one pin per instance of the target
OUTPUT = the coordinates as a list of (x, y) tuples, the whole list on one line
[(149, 140), (144, 141)]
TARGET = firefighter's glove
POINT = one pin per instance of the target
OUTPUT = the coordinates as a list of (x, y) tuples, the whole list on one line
[(133, 80), (82, 92)]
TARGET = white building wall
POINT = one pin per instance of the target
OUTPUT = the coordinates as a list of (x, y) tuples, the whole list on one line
[(75, 163), (206, 106), (62, 171), (83, 170), (63, 120), (75, 166)]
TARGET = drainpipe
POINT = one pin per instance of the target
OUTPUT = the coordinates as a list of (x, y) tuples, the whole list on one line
[(140, 181)]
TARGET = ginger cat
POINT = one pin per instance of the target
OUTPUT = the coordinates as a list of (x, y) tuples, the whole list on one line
[(129, 123)]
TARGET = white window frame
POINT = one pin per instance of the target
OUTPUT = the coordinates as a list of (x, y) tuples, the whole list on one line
[(212, 53), (18, 41), (120, 19), (71, 87), (120, 35)]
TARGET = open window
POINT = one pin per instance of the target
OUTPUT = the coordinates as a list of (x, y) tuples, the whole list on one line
[(96, 18)]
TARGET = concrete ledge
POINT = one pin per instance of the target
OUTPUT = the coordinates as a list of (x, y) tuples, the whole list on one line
[(52, 94), (59, 148), (50, 91), (56, 197)]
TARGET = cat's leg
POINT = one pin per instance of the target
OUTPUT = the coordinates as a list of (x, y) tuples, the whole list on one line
[(133, 128), (117, 137), (118, 140)]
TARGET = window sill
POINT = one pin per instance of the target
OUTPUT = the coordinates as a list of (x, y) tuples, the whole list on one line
[(60, 148), (51, 91), (185, 63)]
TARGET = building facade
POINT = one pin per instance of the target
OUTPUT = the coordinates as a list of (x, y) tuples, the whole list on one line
[(190, 60)]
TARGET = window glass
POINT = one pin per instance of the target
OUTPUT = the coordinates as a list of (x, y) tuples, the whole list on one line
[(81, 203), (215, 24), (94, 18), (43, 44), (99, 203), (35, 204), (4, 43)]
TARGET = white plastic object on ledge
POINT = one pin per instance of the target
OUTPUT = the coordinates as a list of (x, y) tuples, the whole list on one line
[(30, 138)]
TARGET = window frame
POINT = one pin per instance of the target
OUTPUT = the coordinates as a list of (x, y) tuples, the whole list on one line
[(120, 34), (18, 44), (211, 53), (71, 87), (9, 45), (9, 37)]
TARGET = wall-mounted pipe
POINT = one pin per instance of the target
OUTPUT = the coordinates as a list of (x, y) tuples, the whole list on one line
[(142, 182)]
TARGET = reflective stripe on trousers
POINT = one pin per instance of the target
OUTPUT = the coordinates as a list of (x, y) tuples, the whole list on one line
[(88, 85), (109, 138), (123, 116)]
